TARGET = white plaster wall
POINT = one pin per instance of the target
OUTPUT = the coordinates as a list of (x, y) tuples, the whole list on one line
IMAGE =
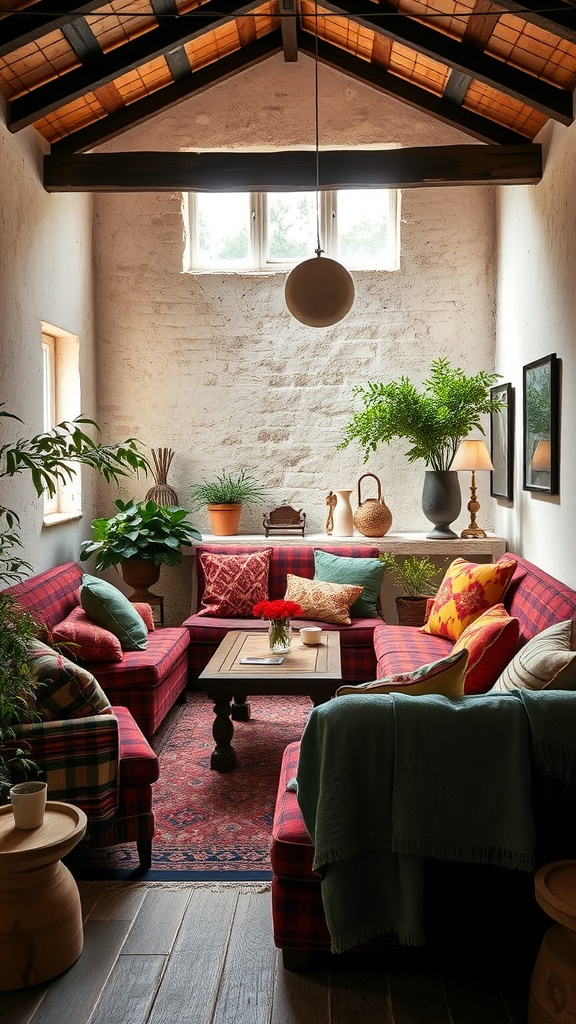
[(45, 274), (536, 301), (215, 367)]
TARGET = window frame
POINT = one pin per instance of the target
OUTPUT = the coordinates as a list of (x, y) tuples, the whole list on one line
[(61, 385), (260, 263)]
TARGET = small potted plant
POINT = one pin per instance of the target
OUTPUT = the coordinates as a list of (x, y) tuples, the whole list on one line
[(414, 576), (225, 497), (17, 692), (140, 538)]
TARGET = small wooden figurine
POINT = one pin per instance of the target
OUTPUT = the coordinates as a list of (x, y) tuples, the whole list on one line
[(331, 500), (284, 519)]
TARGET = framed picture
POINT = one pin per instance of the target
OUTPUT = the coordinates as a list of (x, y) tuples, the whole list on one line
[(541, 455), (502, 443)]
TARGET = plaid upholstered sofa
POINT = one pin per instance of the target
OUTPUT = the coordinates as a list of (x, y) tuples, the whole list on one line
[(146, 682), (486, 902), (356, 640)]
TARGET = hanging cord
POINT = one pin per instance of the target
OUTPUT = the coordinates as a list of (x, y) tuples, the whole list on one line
[(318, 250)]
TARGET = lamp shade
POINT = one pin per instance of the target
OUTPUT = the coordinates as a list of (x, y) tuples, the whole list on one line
[(472, 454), (542, 457), (319, 292)]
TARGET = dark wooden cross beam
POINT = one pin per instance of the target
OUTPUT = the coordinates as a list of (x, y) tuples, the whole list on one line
[(436, 166), (289, 10)]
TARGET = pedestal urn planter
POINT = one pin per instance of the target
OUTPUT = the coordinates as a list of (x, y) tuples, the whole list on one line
[(140, 574), (441, 502)]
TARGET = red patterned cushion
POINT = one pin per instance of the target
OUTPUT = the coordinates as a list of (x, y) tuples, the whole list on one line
[(467, 590), (145, 612), (233, 584), (491, 641), (83, 640)]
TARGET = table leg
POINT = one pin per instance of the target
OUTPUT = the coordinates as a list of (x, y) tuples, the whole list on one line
[(223, 757), (240, 708)]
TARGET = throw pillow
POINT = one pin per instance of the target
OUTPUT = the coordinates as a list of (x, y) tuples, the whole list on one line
[(547, 661), (233, 584), (108, 607), (145, 612), (326, 602), (491, 641), (445, 676), (467, 590), (363, 572), (84, 640), (64, 690)]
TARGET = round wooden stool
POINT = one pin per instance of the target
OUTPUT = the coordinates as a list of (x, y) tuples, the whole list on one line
[(41, 931), (553, 985)]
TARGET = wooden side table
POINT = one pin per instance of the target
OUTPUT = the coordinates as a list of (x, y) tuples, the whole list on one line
[(553, 985), (41, 931)]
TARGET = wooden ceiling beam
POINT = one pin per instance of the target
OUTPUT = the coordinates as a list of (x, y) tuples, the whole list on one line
[(548, 99), (107, 128), (289, 10), (38, 20), (437, 166), (177, 59), (170, 33), (553, 16), (478, 127)]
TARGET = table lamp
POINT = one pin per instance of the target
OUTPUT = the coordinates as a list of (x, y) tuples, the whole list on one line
[(471, 455)]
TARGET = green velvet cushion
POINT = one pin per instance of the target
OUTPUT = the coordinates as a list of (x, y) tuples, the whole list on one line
[(363, 572), (109, 608)]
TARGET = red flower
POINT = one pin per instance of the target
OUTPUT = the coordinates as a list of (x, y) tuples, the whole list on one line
[(277, 609)]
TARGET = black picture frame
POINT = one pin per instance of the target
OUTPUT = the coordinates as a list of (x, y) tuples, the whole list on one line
[(541, 424), (502, 443)]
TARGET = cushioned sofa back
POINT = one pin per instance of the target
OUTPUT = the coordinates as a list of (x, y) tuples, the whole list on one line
[(537, 599), (297, 559), (50, 595)]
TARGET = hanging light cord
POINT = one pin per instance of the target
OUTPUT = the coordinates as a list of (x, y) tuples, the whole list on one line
[(318, 250)]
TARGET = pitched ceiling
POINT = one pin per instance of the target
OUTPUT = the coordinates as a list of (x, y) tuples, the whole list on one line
[(83, 73)]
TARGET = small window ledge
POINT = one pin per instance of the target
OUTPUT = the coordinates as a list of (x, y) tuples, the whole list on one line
[(55, 518)]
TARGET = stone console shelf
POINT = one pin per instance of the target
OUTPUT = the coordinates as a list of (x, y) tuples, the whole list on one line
[(442, 552)]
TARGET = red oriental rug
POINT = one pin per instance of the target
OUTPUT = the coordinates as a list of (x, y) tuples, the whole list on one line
[(210, 825)]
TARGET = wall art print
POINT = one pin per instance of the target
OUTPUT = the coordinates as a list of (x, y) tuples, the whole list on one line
[(541, 425), (502, 443)]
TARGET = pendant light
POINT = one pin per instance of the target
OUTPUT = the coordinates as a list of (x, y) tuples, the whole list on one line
[(319, 292)]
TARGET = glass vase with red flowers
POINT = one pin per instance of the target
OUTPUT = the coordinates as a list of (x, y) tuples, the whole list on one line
[(279, 613)]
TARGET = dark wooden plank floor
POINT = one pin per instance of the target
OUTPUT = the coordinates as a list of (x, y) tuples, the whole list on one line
[(185, 953)]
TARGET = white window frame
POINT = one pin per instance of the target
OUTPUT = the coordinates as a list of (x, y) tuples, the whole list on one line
[(61, 401), (259, 262)]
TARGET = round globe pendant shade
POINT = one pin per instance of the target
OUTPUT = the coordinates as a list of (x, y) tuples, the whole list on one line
[(319, 292)]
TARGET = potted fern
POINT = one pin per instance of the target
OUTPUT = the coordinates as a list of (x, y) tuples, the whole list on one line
[(414, 577), (17, 691), (433, 420), (224, 497)]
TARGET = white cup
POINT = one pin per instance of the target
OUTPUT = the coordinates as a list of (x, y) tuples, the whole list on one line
[(311, 634), (28, 803)]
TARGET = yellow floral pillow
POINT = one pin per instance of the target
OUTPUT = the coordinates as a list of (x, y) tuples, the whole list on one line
[(445, 677), (467, 590), (327, 602)]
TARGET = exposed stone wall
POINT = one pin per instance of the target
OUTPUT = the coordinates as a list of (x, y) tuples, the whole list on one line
[(215, 367)]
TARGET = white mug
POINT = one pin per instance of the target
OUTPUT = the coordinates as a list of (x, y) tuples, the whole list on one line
[(311, 634), (28, 804)]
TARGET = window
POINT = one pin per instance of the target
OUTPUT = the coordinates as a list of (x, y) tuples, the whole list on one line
[(61, 401), (267, 231)]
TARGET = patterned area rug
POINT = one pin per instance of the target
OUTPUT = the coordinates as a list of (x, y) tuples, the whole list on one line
[(210, 825)]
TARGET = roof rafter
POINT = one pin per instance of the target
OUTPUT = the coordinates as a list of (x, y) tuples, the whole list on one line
[(32, 22), (551, 101)]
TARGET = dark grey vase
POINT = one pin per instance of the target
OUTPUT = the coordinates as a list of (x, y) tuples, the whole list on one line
[(441, 501)]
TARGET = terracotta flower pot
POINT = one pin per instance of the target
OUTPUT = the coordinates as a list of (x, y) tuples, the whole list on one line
[(224, 519)]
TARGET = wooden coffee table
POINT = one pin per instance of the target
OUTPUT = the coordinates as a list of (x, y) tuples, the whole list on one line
[(313, 671)]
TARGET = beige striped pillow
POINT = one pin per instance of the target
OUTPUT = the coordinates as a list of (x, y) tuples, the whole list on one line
[(547, 661)]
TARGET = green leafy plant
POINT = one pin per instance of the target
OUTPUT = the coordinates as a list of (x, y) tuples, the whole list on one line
[(17, 691), (433, 420), (140, 529), (228, 489), (414, 576), (51, 459)]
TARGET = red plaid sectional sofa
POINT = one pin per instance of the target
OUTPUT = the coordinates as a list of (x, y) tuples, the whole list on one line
[(539, 601), (104, 763), (146, 682), (356, 640)]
